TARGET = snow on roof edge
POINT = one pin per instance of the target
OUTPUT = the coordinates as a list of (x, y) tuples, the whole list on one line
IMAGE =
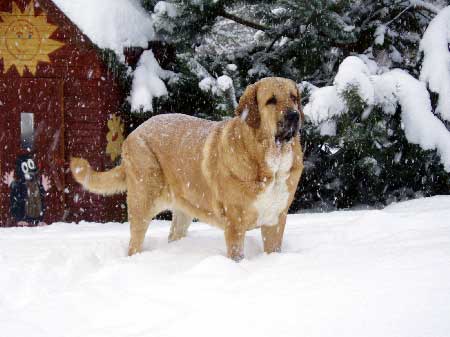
[(110, 24)]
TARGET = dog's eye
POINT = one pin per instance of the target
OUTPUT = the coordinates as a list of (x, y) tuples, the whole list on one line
[(294, 98), (271, 100)]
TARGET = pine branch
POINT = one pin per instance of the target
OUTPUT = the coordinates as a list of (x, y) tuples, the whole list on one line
[(398, 15), (277, 37), (242, 21)]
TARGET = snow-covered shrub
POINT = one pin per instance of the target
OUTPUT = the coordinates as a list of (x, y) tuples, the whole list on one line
[(387, 143), (360, 90)]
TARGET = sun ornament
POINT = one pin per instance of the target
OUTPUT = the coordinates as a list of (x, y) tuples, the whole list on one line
[(115, 137), (25, 39)]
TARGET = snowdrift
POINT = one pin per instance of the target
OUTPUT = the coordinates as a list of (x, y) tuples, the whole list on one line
[(351, 273)]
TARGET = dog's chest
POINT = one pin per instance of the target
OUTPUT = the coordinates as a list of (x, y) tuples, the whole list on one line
[(275, 196)]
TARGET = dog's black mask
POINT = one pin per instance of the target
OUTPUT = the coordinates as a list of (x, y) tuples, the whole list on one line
[(288, 126)]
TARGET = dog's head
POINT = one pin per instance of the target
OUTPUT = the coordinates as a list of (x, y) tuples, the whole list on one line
[(272, 105)]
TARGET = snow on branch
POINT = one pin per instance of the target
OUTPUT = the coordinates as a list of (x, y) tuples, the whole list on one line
[(421, 126), (425, 5), (354, 73), (223, 85), (147, 82), (436, 61), (386, 91), (324, 104)]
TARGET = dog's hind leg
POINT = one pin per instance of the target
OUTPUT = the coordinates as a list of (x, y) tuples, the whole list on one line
[(145, 186), (179, 226), (139, 222)]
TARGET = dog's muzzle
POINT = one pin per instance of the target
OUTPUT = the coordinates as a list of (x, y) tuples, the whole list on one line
[(288, 126)]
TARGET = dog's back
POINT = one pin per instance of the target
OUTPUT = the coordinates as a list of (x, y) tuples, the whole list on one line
[(178, 142)]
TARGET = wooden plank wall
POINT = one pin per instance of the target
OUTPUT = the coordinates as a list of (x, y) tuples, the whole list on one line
[(90, 96)]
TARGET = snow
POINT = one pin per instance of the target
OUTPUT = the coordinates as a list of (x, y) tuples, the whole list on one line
[(231, 67), (207, 84), (147, 82), (379, 35), (328, 128), (110, 24), (434, 8), (224, 83), (392, 88), (350, 273), (421, 126), (436, 61), (161, 12), (164, 8), (220, 85), (324, 103), (353, 72)]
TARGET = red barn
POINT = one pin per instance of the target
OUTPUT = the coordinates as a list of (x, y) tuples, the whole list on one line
[(57, 99)]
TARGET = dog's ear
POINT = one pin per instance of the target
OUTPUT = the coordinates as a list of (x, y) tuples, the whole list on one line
[(302, 115), (248, 107)]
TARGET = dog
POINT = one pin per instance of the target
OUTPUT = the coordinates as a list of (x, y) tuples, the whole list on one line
[(238, 174)]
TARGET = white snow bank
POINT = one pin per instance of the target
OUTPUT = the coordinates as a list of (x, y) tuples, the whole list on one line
[(112, 24), (147, 82), (353, 273), (436, 61), (395, 87)]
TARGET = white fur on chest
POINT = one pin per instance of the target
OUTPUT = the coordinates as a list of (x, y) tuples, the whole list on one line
[(274, 199)]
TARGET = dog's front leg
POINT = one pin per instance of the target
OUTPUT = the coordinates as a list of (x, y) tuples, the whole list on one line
[(273, 236), (234, 239)]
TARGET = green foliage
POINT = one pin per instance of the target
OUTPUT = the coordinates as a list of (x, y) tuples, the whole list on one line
[(197, 18), (116, 68), (369, 160), (185, 96)]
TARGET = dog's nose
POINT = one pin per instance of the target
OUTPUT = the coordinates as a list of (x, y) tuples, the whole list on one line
[(292, 116)]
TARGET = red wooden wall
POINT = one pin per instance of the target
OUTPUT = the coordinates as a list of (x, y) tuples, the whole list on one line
[(73, 96)]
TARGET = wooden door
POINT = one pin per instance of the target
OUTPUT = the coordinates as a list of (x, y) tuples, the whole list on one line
[(37, 105)]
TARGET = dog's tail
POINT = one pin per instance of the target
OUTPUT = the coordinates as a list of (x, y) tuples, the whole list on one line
[(106, 183)]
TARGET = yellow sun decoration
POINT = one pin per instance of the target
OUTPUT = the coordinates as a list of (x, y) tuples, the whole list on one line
[(25, 39), (115, 137)]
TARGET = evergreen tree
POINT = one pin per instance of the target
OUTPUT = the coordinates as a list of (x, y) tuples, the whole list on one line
[(367, 160)]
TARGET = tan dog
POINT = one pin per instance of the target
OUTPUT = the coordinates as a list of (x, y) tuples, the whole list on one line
[(237, 174)]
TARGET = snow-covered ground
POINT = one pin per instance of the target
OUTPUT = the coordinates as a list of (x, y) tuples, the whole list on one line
[(354, 273)]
